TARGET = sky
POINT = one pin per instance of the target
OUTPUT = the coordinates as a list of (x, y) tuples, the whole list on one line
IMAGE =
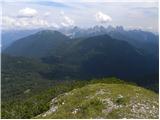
[(30, 14)]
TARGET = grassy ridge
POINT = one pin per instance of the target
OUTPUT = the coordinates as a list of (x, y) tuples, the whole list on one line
[(101, 100), (38, 102)]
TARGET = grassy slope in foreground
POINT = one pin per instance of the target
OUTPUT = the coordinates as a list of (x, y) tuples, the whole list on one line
[(104, 101)]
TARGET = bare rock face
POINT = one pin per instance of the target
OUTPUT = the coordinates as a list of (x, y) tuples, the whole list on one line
[(105, 101)]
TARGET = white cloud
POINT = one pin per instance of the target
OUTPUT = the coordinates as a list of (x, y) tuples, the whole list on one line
[(9, 22), (127, 14), (54, 25), (47, 13), (62, 12), (134, 27), (38, 22), (67, 21), (27, 12), (102, 18)]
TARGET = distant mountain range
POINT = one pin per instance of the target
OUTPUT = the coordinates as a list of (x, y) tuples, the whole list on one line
[(146, 41), (129, 55), (9, 36), (143, 40), (40, 44)]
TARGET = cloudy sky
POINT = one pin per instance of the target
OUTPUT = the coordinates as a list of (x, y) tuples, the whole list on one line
[(29, 14)]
